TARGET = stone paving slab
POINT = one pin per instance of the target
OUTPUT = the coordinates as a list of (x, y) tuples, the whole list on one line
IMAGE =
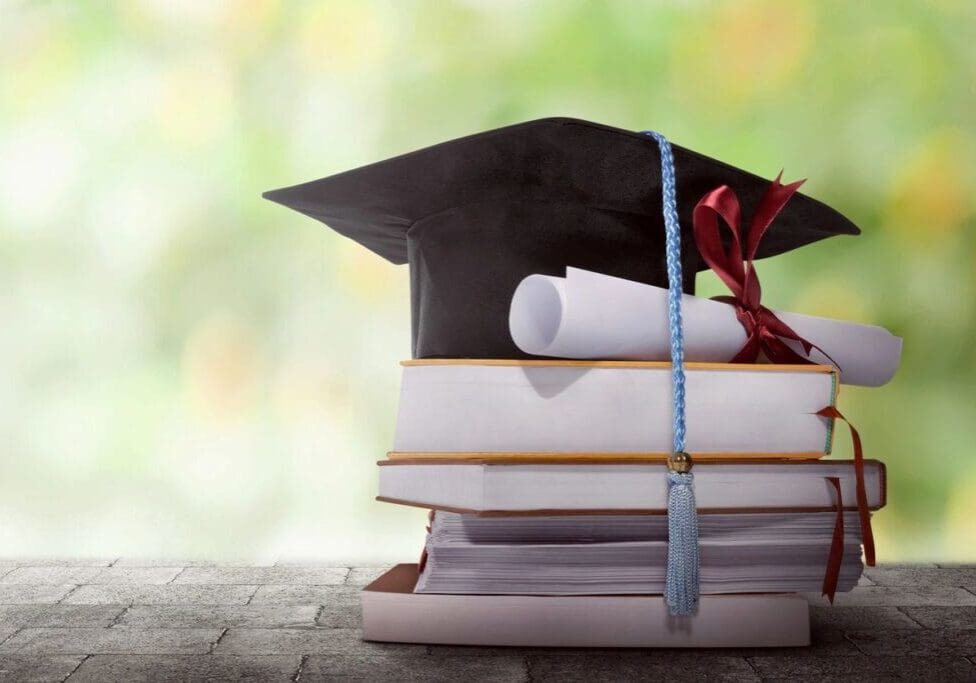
[(943, 617), (864, 668), (298, 576), (163, 669), (170, 594), (337, 641), (311, 562), (185, 562), (206, 621), (34, 669), (303, 595), (510, 668), (861, 618), (925, 642), (662, 665), (220, 616), (362, 576), (90, 575), (17, 594), (922, 576), (55, 616), (56, 561), (341, 611), (898, 596), (57, 641)]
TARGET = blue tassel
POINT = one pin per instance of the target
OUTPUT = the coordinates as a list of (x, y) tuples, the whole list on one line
[(681, 583), (681, 588)]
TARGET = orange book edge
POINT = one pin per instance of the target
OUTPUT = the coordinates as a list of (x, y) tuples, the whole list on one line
[(883, 475), (589, 456), (656, 365), (556, 512)]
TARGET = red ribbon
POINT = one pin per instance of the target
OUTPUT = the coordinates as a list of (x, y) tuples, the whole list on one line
[(765, 332), (836, 556), (863, 512), (422, 563), (860, 491)]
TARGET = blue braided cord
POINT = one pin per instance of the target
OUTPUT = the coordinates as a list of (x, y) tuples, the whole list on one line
[(675, 282), (681, 589)]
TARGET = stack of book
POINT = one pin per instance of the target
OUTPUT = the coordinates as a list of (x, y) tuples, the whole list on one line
[(546, 482), (548, 479)]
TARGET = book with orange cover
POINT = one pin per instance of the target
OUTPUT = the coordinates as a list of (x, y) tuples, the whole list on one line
[(626, 486)]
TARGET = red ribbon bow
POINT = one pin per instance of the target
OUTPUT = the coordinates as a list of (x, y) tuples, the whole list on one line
[(765, 331)]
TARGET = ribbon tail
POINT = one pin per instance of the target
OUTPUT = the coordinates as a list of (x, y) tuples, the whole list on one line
[(779, 352), (783, 331), (863, 512), (422, 562), (836, 557), (749, 352), (681, 590)]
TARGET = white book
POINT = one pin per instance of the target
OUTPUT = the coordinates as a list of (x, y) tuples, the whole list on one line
[(473, 486), (613, 554), (393, 612), (499, 406), (448, 527)]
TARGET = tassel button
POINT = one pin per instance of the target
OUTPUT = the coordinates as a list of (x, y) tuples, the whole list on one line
[(679, 462)]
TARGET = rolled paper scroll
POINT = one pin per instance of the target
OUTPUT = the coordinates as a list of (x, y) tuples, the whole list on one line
[(595, 316)]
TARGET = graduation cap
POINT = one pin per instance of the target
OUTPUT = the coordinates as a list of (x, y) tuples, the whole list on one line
[(476, 215)]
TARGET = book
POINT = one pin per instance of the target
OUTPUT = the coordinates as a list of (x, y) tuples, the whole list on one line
[(393, 612), (632, 486), (593, 555), (598, 407)]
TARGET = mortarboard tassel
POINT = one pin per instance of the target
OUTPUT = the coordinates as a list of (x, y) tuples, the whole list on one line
[(681, 587)]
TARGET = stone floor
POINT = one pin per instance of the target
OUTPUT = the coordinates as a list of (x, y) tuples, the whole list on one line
[(130, 620)]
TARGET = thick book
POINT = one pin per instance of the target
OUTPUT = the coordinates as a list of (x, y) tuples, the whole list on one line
[(453, 407), (623, 486), (393, 612), (612, 554)]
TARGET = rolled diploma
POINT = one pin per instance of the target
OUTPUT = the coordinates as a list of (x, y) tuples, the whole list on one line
[(595, 316)]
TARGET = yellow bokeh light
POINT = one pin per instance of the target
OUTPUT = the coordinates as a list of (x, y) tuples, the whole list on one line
[(932, 191), (220, 367), (960, 523), (342, 38), (743, 49), (196, 102), (831, 299), (307, 387), (366, 274)]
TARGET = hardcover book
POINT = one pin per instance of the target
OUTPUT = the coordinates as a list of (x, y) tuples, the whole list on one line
[(632, 486), (393, 612), (590, 407)]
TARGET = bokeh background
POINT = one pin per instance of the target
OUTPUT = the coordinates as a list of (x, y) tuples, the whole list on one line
[(188, 370)]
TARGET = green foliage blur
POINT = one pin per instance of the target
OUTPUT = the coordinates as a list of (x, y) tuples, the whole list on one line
[(189, 370)]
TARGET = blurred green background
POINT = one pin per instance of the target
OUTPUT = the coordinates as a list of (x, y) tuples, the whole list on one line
[(189, 370)]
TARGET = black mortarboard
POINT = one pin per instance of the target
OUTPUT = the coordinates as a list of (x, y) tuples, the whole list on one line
[(476, 215)]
